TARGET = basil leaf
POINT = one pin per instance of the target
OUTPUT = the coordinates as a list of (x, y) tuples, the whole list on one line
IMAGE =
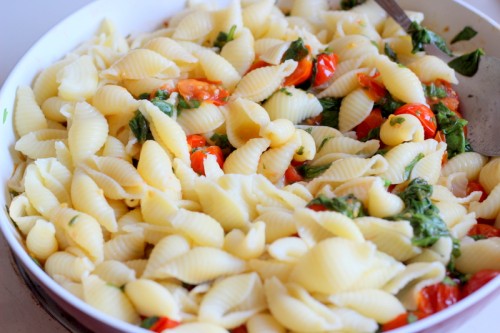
[(409, 167), (164, 106), (222, 141), (140, 127), (467, 33), (330, 113), (310, 172), (187, 104), (390, 52), (452, 127), (388, 105), (467, 64), (432, 91), (149, 322), (374, 133), (348, 4), (421, 36), (297, 51), (223, 38), (348, 205), (144, 96)]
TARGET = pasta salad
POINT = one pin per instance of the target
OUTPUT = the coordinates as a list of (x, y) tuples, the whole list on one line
[(263, 167)]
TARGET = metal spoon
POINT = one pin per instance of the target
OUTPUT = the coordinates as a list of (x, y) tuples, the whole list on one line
[(479, 95)]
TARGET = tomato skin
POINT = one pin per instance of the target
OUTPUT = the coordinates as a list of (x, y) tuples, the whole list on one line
[(451, 100), (373, 120), (424, 114), (484, 230), (325, 67), (199, 155), (317, 207), (196, 141), (401, 320), (301, 74), (203, 90), (163, 323), (239, 329), (478, 280), (292, 175), (437, 297), (473, 186), (375, 89), (257, 64)]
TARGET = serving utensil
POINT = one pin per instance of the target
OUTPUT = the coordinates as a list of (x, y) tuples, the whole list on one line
[(479, 94)]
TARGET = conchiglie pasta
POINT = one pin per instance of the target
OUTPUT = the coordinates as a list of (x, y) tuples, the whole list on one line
[(203, 119), (28, 116), (293, 104)]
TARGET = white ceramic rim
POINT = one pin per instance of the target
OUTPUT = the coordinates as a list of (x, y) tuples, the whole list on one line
[(18, 250)]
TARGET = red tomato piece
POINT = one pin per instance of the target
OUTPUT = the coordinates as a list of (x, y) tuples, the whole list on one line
[(199, 155), (375, 89), (437, 297), (450, 100), (484, 230), (163, 323), (478, 280), (300, 74), (203, 90), (292, 175), (196, 141), (258, 64), (424, 114), (240, 329), (325, 68), (474, 186), (317, 207), (373, 121)]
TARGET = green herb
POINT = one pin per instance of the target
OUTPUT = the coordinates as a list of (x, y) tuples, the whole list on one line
[(324, 141), (222, 141), (187, 104), (387, 183), (374, 133), (382, 151), (467, 33), (144, 96), (164, 106), (452, 127), (140, 127), (4, 115), (310, 172), (467, 64), (300, 151), (309, 130), (388, 105), (348, 205), (422, 214), (297, 51), (432, 91), (330, 113), (374, 43), (478, 237), (224, 38), (396, 121), (348, 4), (149, 321), (409, 167), (390, 52), (73, 220), (411, 318), (285, 91), (161, 94), (421, 36)]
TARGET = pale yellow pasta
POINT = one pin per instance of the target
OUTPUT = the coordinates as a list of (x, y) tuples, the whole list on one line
[(274, 162), (150, 298), (187, 177), (391, 28), (40, 143), (240, 52), (489, 176), (490, 207), (430, 68), (246, 246), (264, 322), (170, 49), (400, 81), (401, 128), (261, 83), (114, 272), (429, 167), (203, 119), (113, 99), (109, 299), (353, 46), (194, 26), (148, 84), (267, 268), (113, 147), (274, 53), (293, 104), (165, 250), (73, 287), (245, 159), (278, 224), (217, 68), (343, 144), (41, 240), (263, 44), (39, 196), (344, 84), (28, 116), (310, 10), (200, 228), (125, 247), (196, 327), (45, 84), (22, 212), (354, 108), (288, 249), (469, 162), (479, 255), (70, 266), (440, 251), (382, 203), (78, 80), (255, 16), (244, 121), (233, 300)]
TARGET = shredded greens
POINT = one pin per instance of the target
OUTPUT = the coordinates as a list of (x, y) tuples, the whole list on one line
[(297, 51), (421, 36), (348, 205), (467, 33), (467, 64), (223, 38), (330, 113), (453, 129)]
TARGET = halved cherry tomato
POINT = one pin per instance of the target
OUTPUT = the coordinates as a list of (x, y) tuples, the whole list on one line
[(485, 230), (292, 175), (437, 297), (317, 207), (301, 73), (402, 320), (324, 68), (478, 280), (258, 64), (203, 90), (375, 89), (240, 329), (473, 186), (450, 100), (196, 141), (163, 323), (424, 114), (199, 155), (373, 121)]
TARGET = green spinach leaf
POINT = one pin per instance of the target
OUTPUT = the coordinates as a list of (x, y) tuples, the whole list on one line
[(467, 64), (421, 36), (310, 172), (348, 205), (467, 33), (452, 127), (348, 4), (297, 51), (330, 113), (223, 38)]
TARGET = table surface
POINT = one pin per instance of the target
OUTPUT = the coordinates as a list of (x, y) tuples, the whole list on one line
[(19, 310)]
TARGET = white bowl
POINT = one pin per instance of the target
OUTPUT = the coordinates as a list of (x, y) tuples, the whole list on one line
[(446, 17)]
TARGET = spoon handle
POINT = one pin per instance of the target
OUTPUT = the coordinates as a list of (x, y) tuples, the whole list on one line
[(396, 12)]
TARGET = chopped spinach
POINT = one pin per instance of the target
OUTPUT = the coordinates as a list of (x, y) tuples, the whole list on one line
[(396, 121), (452, 127), (390, 52), (467, 64), (374, 133), (149, 322), (144, 96), (164, 106), (285, 91), (183, 104), (330, 113), (223, 38), (348, 4), (310, 172), (467, 33), (388, 105), (222, 141), (409, 167), (421, 36), (297, 51), (140, 127), (432, 91), (348, 205), (73, 220)]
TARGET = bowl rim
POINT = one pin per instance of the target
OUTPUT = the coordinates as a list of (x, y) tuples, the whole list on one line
[(7, 227)]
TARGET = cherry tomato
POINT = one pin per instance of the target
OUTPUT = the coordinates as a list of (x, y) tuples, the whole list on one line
[(450, 100), (375, 89), (196, 141), (474, 186), (402, 320), (240, 329), (199, 155), (300, 74), (203, 90), (317, 207), (324, 68), (373, 121), (292, 175), (478, 280), (437, 297), (163, 323), (257, 64), (484, 230), (424, 114)]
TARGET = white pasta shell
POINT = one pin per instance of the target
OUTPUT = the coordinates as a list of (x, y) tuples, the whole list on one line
[(244, 121), (264, 322), (115, 272), (125, 247), (479, 255), (430, 68), (255, 16), (202, 229), (165, 250), (245, 159), (249, 246), (45, 84), (293, 104), (194, 26), (240, 51), (40, 143), (152, 299), (70, 266), (354, 108), (204, 119), (28, 116), (41, 240), (78, 80), (217, 68), (113, 99)]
